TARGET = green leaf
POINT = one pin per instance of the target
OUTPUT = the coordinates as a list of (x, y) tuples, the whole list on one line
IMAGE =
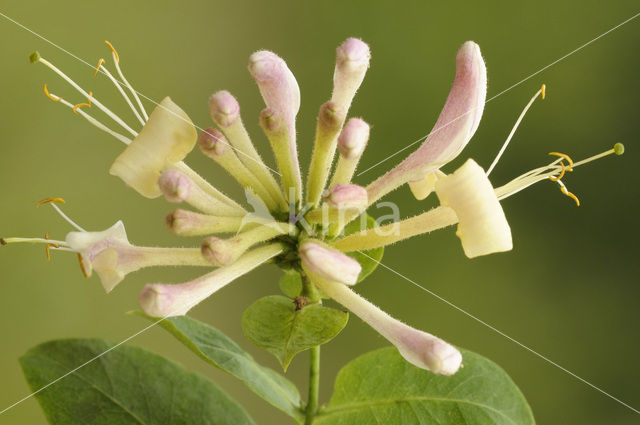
[(382, 388), (369, 258), (219, 350), (291, 283), (127, 385), (277, 325)]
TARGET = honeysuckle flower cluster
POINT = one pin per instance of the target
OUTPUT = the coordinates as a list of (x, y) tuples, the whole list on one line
[(295, 229)]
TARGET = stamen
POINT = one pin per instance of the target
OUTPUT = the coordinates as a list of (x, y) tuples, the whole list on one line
[(565, 156), (118, 86), (88, 117), (542, 92), (50, 200), (49, 245), (84, 271), (35, 57), (554, 172), (116, 59), (564, 190), (561, 175), (49, 95), (87, 104), (100, 62)]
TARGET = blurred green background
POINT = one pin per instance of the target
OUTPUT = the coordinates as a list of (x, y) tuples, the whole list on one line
[(569, 289)]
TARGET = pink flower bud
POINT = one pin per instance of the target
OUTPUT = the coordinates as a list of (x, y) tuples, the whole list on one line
[(353, 138), (352, 61), (277, 84), (330, 118), (328, 263), (224, 108), (174, 185), (417, 347), (162, 300), (212, 142), (347, 196), (217, 251)]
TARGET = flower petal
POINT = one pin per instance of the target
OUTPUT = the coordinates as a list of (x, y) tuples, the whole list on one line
[(456, 125), (167, 137)]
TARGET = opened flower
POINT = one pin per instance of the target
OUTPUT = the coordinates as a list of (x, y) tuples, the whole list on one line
[(300, 231)]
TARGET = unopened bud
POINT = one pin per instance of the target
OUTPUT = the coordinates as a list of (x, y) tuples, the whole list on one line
[(482, 225), (330, 118), (277, 84), (212, 142), (175, 186), (189, 223), (224, 108), (352, 61), (217, 251), (347, 196), (327, 263), (353, 138)]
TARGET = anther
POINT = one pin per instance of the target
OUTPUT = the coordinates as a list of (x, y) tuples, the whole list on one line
[(543, 91), (48, 246), (84, 271), (566, 192), (50, 200), (49, 95), (2, 242), (86, 104), (618, 148), (561, 175), (100, 62), (113, 50), (565, 156)]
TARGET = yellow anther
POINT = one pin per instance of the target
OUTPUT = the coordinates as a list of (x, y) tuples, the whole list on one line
[(100, 62), (48, 246), (113, 50), (49, 200), (49, 95), (565, 156), (566, 192), (84, 271), (86, 104), (543, 89), (561, 175)]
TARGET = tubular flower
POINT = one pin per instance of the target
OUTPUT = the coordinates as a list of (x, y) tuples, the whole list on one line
[(302, 233)]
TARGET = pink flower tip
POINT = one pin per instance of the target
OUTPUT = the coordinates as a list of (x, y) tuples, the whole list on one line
[(328, 263), (224, 108), (174, 185), (276, 82), (353, 138), (212, 142), (347, 196), (353, 53)]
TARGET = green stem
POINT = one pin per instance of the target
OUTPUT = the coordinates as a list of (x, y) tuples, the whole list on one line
[(314, 385)]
